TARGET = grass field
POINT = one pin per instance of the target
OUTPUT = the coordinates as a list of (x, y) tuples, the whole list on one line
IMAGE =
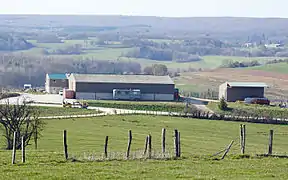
[(199, 139), (141, 105), (113, 53), (61, 111), (260, 110), (279, 68)]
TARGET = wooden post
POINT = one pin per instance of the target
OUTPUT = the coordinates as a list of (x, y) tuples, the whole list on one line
[(150, 145), (105, 147), (129, 143), (244, 139), (23, 149), (14, 148), (241, 138), (179, 145), (65, 144), (36, 139), (176, 143), (163, 140), (227, 150), (270, 142), (146, 145)]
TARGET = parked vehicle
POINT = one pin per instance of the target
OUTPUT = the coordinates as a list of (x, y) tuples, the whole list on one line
[(127, 94), (75, 104), (262, 101), (61, 92), (176, 95)]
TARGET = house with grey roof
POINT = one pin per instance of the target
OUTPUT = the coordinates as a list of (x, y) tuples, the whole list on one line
[(238, 91), (55, 82), (103, 86)]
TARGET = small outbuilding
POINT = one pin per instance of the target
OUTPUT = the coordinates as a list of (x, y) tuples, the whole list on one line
[(238, 91), (125, 87), (55, 82)]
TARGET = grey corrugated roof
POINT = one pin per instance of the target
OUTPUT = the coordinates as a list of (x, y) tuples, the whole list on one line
[(246, 84), (112, 78)]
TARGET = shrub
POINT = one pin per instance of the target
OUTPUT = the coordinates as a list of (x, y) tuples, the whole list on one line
[(223, 104)]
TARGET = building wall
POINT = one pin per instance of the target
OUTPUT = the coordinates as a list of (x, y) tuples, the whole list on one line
[(109, 96), (86, 96), (240, 93), (58, 83), (53, 90), (223, 91), (53, 86), (164, 97), (108, 87)]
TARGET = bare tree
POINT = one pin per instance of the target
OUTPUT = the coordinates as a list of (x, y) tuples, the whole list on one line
[(22, 119)]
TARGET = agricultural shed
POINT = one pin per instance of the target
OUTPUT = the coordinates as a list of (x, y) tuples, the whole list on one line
[(55, 82), (101, 86), (238, 91)]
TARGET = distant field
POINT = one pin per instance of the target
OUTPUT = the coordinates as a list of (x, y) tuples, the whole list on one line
[(279, 68), (199, 140), (165, 40), (197, 81), (111, 52), (141, 105)]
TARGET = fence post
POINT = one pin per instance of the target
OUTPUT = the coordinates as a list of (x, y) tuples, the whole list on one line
[(23, 149), (36, 139), (244, 139), (146, 145), (163, 141), (241, 138), (65, 144), (14, 148), (129, 143), (270, 142), (179, 145), (176, 142), (228, 149), (105, 147), (150, 146)]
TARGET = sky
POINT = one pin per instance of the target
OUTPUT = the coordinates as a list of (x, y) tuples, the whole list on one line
[(164, 8)]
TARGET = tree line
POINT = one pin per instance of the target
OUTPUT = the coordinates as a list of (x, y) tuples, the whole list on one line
[(17, 69), (238, 64), (9, 42)]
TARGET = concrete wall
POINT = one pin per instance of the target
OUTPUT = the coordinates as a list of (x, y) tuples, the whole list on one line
[(109, 96), (105, 96), (164, 97), (93, 96), (58, 83), (53, 86), (240, 93), (147, 97), (86, 96), (108, 87), (223, 91), (53, 90)]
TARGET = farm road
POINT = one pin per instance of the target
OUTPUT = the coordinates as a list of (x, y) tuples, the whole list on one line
[(56, 101)]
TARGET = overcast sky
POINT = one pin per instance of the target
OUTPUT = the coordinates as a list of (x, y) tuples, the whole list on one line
[(170, 8)]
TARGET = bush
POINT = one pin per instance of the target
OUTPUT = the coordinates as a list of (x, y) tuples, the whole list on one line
[(223, 104), (8, 95)]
